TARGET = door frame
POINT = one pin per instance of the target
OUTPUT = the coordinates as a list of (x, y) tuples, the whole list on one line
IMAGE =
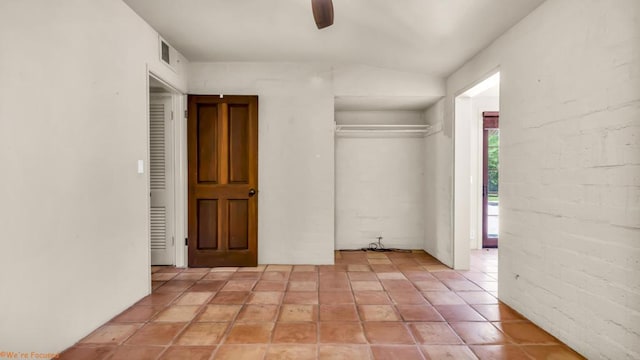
[(178, 106)]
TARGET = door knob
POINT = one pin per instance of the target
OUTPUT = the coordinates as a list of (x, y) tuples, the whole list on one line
[(252, 192)]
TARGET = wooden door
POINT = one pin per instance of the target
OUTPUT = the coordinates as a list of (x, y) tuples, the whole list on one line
[(161, 176), (490, 198), (223, 178)]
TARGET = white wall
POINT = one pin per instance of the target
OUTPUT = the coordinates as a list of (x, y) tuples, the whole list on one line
[(570, 164), (296, 153), (379, 183), (438, 180), (73, 123)]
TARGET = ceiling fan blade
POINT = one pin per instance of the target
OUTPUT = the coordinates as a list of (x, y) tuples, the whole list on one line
[(322, 12)]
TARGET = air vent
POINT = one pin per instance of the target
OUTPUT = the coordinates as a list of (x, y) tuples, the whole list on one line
[(168, 55)]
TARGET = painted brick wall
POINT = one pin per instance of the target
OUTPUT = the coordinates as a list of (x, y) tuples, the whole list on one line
[(570, 170)]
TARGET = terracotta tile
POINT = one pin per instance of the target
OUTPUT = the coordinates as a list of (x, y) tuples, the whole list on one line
[(497, 312), (87, 352), (264, 285), (219, 313), (258, 313), (344, 352), (259, 268), (303, 286), (387, 333), (275, 276), (188, 353), (451, 352), (378, 313), (332, 268), (302, 333), (156, 284), (448, 275), (461, 285), (111, 334), (296, 312), (203, 333), (194, 298), (137, 352), (431, 285), (245, 275), (197, 270), (372, 298), (488, 285), (239, 285), (169, 269), (391, 276), (177, 313), (158, 299), (333, 276), (477, 297), (160, 276), (434, 333), (224, 269), (477, 276), (412, 297), (527, 333), (265, 297), (137, 314), (156, 334), (341, 333), (418, 275), (190, 276), (336, 297), (366, 286), (241, 352), (291, 352), (459, 313), (499, 352), (300, 297), (334, 285), (397, 285), (230, 297), (376, 255), (207, 285), (383, 268), (391, 352), (250, 333), (443, 298), (362, 276), (175, 286), (419, 313), (304, 268), (338, 312), (379, 261), (480, 333), (218, 276), (284, 268), (359, 267), (303, 276), (551, 352), (436, 267)]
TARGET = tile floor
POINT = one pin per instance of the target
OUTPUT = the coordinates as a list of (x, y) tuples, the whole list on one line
[(367, 306)]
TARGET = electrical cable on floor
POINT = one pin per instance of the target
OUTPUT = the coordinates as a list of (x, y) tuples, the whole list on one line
[(379, 247)]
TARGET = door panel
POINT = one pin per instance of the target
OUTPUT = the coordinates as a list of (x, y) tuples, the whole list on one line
[(490, 199), (161, 185), (223, 179)]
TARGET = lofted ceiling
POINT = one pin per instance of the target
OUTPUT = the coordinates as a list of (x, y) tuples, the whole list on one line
[(432, 37)]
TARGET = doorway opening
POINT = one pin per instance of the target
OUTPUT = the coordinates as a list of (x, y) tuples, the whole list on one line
[(475, 203), (166, 212)]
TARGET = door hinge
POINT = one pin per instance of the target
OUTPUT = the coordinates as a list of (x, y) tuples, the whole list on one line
[(185, 114), (173, 240), (186, 241), (171, 114)]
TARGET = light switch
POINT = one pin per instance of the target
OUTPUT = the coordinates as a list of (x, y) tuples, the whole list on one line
[(140, 166)]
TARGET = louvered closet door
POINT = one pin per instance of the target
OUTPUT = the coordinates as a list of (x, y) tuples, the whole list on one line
[(160, 168)]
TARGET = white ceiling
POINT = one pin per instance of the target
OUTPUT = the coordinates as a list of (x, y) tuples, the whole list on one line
[(426, 36)]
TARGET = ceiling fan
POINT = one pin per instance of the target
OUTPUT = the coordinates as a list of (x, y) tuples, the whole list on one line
[(322, 12)]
